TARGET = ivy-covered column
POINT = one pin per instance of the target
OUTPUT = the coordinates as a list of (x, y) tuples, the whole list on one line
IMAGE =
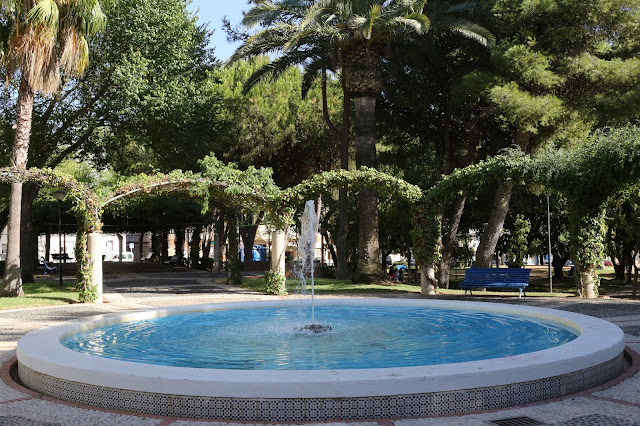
[(278, 245), (94, 246), (275, 279), (587, 242), (425, 236)]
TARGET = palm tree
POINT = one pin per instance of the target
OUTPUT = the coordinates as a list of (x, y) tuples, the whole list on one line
[(47, 37), (357, 32)]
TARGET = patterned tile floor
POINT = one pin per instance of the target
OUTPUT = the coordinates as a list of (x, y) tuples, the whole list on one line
[(618, 405)]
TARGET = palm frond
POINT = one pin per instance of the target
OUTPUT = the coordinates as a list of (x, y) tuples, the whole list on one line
[(88, 17), (418, 23), (486, 41), (45, 14), (260, 12), (266, 41), (322, 10), (449, 18), (312, 72), (374, 14), (464, 7)]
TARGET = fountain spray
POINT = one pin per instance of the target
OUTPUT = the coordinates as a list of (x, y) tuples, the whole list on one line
[(306, 250)]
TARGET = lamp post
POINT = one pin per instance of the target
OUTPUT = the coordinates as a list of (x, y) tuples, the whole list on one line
[(549, 240), (59, 195)]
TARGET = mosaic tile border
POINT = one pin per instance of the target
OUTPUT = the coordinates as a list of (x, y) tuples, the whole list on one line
[(322, 409)]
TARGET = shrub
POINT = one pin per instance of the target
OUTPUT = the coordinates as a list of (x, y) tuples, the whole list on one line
[(275, 283)]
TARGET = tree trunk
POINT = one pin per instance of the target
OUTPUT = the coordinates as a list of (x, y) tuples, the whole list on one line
[(489, 239), (218, 244), (194, 252), (164, 246), (206, 242), (634, 293), (450, 240), (368, 269), (558, 263), (28, 238), (248, 235), (179, 245), (155, 247), (12, 285), (492, 231), (47, 246), (331, 247), (234, 266)]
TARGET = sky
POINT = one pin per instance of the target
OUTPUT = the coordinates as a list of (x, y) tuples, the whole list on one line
[(212, 11)]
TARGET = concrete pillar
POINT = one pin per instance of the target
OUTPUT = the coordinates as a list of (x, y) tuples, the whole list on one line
[(278, 245), (94, 248)]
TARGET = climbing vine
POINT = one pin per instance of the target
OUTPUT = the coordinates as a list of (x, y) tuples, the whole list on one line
[(86, 208), (586, 177)]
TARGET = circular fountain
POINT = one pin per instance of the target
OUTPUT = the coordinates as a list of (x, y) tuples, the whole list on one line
[(315, 392)]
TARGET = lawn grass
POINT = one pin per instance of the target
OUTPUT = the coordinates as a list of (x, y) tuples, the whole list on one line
[(326, 286), (40, 294), (333, 286)]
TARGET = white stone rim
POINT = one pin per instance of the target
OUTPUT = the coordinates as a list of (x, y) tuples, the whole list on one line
[(599, 341)]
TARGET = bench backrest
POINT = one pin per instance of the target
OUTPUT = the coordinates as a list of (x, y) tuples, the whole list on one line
[(497, 275)]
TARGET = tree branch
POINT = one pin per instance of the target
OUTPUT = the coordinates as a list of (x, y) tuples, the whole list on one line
[(57, 159), (57, 135)]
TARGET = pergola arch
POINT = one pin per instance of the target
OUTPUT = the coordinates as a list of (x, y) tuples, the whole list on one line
[(588, 176), (86, 207)]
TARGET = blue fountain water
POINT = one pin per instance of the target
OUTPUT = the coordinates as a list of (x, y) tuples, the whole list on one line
[(361, 337)]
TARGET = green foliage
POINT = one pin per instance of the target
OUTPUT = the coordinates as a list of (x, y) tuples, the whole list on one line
[(527, 112), (87, 290), (273, 126), (275, 283), (426, 233), (518, 242), (353, 180), (86, 207), (532, 68), (241, 187)]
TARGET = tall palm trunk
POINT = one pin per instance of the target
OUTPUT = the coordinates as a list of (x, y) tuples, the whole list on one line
[(368, 247), (343, 200), (28, 237), (12, 278)]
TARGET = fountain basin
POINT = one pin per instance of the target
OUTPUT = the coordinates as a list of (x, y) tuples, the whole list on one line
[(594, 357)]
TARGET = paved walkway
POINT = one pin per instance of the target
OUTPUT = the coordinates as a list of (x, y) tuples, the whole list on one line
[(618, 405)]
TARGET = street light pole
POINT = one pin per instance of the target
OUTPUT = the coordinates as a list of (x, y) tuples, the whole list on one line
[(59, 195), (549, 238)]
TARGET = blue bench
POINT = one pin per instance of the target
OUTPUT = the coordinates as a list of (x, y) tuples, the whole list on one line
[(508, 278), (46, 267)]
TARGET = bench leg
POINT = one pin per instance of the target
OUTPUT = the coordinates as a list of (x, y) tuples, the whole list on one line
[(520, 292)]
